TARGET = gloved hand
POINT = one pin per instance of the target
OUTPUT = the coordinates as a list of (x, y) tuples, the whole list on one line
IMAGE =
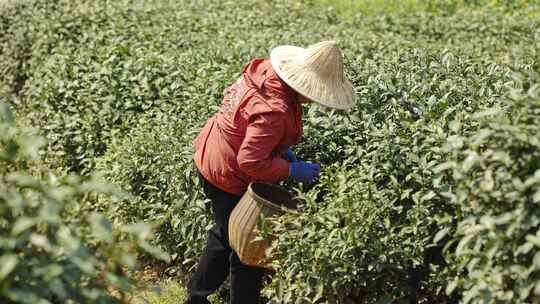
[(304, 172), (289, 156)]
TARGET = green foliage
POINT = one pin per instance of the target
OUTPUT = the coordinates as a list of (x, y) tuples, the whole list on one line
[(155, 162), (379, 173), (171, 292), (398, 226), (495, 174), (428, 194), (53, 246), (92, 68), (349, 8)]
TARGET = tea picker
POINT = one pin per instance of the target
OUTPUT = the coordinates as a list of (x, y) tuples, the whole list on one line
[(247, 144)]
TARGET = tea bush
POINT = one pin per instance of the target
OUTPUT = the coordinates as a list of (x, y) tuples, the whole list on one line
[(53, 246), (155, 161), (397, 226), (352, 7), (124, 59), (495, 174), (387, 153), (400, 213)]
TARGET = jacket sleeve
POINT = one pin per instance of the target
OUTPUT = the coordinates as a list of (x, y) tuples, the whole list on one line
[(255, 157)]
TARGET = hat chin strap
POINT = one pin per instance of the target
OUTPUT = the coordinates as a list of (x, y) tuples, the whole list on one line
[(303, 99)]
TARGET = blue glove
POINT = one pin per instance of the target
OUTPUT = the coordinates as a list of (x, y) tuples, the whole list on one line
[(289, 156), (304, 172)]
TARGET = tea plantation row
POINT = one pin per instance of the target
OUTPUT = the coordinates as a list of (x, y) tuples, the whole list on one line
[(430, 185)]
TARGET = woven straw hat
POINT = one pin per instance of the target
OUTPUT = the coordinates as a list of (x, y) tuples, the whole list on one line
[(315, 72)]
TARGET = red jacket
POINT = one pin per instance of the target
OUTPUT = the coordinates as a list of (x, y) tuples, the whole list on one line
[(258, 121)]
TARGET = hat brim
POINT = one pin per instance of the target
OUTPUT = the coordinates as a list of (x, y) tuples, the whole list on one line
[(285, 53)]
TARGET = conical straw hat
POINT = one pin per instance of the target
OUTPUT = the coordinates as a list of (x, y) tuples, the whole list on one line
[(315, 72)]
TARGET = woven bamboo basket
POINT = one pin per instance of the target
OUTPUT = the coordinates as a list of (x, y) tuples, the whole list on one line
[(261, 199)]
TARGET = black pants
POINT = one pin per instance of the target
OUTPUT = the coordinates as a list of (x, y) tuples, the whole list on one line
[(219, 260)]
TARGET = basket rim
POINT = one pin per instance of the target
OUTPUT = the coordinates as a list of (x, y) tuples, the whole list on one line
[(267, 202)]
